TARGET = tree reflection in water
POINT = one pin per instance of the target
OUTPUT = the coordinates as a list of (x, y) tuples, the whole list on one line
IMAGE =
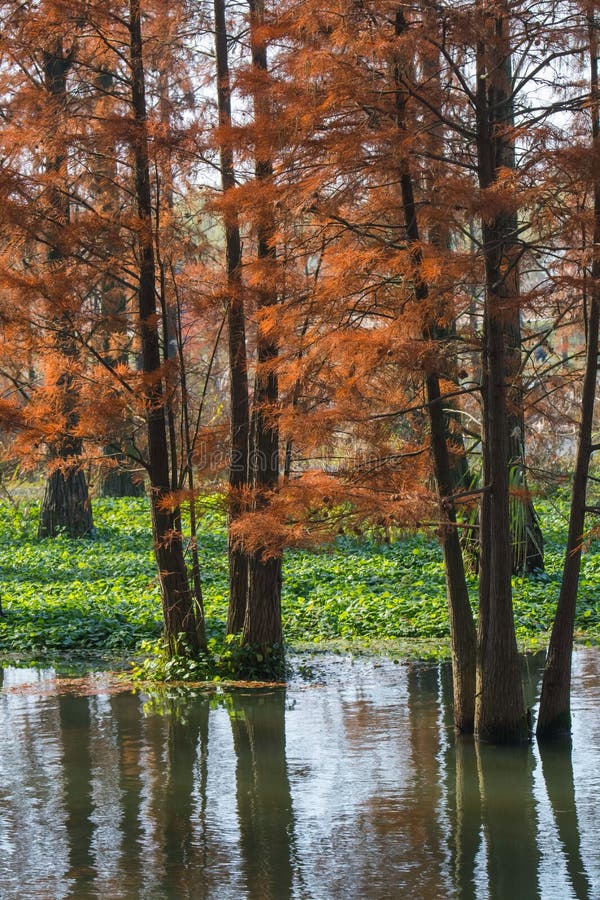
[(557, 771), (264, 802), (465, 816), (374, 796), (74, 717), (127, 714), (509, 819), (184, 826)]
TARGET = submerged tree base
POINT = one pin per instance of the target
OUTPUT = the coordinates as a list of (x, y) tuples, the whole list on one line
[(505, 733), (555, 728)]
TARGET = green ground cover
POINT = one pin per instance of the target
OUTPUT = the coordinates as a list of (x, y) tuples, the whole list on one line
[(99, 595)]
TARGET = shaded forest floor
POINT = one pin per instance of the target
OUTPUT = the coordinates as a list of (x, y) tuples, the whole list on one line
[(99, 596)]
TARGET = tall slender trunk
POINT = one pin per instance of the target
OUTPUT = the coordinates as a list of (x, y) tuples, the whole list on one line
[(118, 479), (182, 451), (66, 504), (527, 538), (439, 236), (262, 621), (500, 715), (181, 615), (188, 441), (555, 704), (462, 626), (168, 314), (236, 321)]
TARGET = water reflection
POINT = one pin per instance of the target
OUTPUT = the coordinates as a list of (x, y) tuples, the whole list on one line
[(466, 831), (125, 745), (184, 844), (264, 803), (509, 820), (76, 769), (557, 771), (350, 788)]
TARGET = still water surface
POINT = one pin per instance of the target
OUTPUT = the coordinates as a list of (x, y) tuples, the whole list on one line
[(350, 786)]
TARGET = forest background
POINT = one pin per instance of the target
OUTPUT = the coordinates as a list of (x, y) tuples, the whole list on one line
[(332, 268)]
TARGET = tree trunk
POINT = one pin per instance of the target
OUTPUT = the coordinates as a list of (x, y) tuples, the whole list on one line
[(439, 236), (500, 715), (262, 621), (554, 715), (238, 365), (66, 505), (462, 626), (119, 481), (182, 617), (500, 710), (527, 538), (526, 533)]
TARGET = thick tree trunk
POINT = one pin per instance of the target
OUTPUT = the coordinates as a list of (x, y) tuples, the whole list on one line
[(462, 626), (262, 621), (236, 321), (66, 505), (500, 715), (182, 617), (554, 715), (262, 624)]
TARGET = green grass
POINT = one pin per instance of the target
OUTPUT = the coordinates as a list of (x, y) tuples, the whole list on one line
[(99, 596)]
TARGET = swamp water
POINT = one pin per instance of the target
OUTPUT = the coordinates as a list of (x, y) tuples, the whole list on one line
[(350, 785)]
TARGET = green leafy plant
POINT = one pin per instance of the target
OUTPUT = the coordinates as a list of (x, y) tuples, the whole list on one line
[(226, 660), (98, 596)]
